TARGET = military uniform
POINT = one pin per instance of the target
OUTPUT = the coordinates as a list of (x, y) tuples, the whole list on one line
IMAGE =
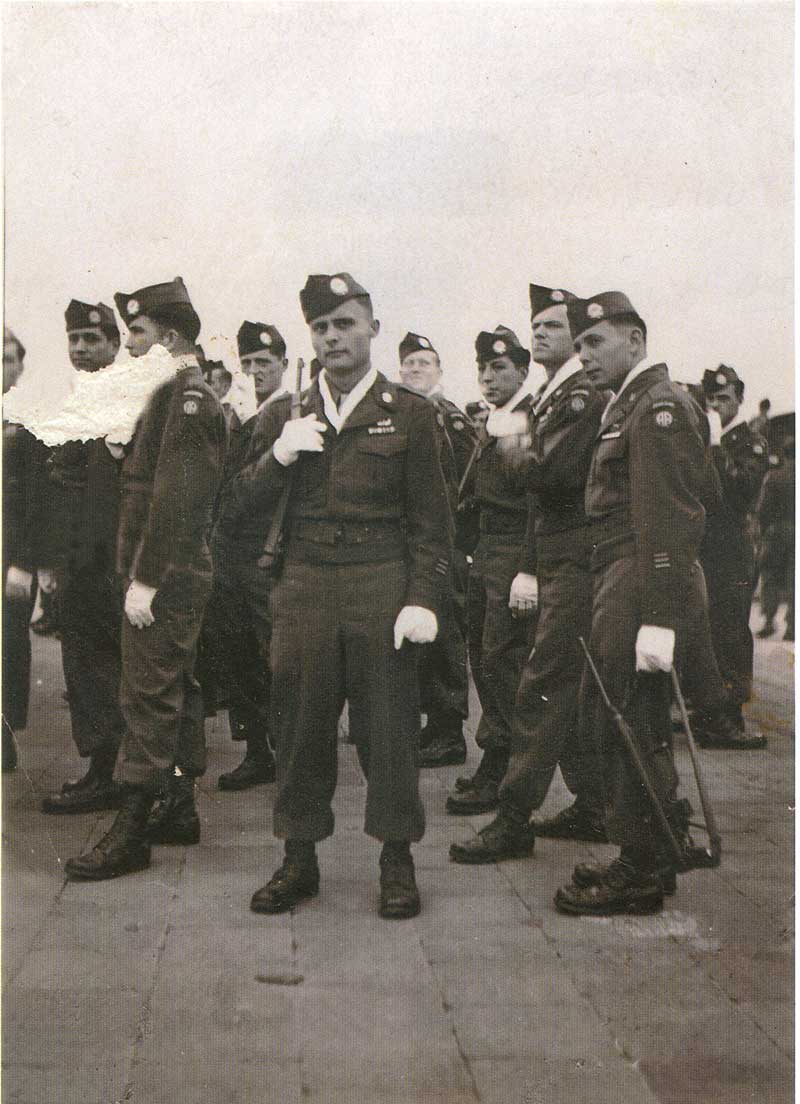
[(728, 553), (776, 515), (369, 532)]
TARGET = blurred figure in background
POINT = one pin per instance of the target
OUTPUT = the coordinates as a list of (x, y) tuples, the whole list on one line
[(775, 510)]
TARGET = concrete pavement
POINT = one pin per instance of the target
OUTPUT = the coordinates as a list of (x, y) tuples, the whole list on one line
[(163, 986)]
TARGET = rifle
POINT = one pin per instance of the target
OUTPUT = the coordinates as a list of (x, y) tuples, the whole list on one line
[(271, 558), (686, 857)]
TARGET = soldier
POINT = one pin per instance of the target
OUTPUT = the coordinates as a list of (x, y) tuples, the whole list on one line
[(239, 607), (367, 553), (169, 483), (775, 509), (23, 458), (647, 483), (728, 551), (564, 423), (444, 687), (502, 586), (83, 549)]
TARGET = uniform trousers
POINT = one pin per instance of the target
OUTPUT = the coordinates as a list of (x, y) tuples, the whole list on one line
[(237, 633), (16, 656), (91, 628), (777, 572), (444, 686), (161, 700), (643, 699), (499, 643), (332, 641), (729, 567), (544, 731)]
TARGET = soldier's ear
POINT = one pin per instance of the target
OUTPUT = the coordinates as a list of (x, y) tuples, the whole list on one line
[(168, 339), (375, 326)]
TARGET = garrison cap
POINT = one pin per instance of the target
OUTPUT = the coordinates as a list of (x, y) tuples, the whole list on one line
[(501, 341), (259, 337), (148, 299), (714, 379), (415, 343), (83, 316), (608, 305), (542, 298), (322, 294)]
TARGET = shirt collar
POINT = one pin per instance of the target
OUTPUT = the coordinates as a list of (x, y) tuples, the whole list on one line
[(337, 418), (637, 370), (737, 421), (569, 368)]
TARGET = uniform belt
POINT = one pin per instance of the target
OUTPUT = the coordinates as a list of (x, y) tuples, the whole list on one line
[(347, 532)]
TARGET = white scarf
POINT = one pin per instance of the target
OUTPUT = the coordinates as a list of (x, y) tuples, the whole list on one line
[(337, 418)]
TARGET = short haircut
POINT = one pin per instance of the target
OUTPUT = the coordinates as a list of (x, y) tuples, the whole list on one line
[(177, 316), (212, 368), (765, 404), (11, 337)]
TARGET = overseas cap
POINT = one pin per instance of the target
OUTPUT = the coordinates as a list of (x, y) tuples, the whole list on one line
[(148, 299), (714, 379), (260, 337), (585, 313), (83, 316), (414, 343), (501, 341), (322, 294), (542, 298)]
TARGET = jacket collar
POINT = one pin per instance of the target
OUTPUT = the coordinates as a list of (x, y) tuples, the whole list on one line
[(635, 384), (379, 401)]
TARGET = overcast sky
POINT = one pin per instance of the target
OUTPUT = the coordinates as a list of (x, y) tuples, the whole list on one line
[(444, 154)]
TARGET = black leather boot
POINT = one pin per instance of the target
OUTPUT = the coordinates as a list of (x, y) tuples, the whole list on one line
[(257, 767), (508, 836), (174, 819), (92, 793), (124, 848), (399, 893), (578, 822), (629, 884), (296, 879)]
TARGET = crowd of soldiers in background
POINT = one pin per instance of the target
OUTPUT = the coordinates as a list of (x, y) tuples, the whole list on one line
[(521, 581)]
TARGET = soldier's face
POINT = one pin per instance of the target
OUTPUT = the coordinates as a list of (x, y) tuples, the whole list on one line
[(12, 365), (90, 349), (421, 371), (143, 334), (219, 383), (267, 371), (606, 353), (342, 341), (552, 341), (725, 402), (499, 379)]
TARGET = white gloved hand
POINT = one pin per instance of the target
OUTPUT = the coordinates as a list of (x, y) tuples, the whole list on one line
[(47, 580), (138, 602), (241, 396), (298, 435), (117, 451), (415, 624), (18, 583), (507, 423), (655, 648), (524, 593), (714, 427)]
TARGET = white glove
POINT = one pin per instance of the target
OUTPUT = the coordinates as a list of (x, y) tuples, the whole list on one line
[(117, 451), (524, 593), (138, 600), (507, 423), (298, 435), (714, 427), (655, 648), (415, 624), (241, 396), (47, 580), (18, 583)]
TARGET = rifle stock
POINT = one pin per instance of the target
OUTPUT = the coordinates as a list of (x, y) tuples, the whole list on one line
[(271, 558)]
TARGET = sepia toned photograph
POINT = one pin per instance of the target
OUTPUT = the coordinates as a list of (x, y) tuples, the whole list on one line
[(398, 553)]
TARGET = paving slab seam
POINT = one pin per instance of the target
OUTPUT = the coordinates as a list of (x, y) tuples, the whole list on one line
[(146, 1012)]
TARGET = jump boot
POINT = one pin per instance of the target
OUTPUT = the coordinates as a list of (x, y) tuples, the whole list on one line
[(124, 848)]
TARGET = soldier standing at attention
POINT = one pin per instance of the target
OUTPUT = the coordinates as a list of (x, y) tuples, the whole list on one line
[(169, 483), (444, 686), (239, 607), (728, 552), (501, 598), (84, 554), (564, 423), (644, 496), (367, 556)]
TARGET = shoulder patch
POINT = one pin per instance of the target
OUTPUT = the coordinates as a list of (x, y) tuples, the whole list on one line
[(190, 406), (577, 403), (664, 418)]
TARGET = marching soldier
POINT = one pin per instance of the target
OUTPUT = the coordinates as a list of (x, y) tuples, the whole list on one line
[(239, 607), (564, 423), (169, 483), (501, 595), (367, 553), (444, 687), (647, 483), (775, 509), (728, 551), (87, 478)]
